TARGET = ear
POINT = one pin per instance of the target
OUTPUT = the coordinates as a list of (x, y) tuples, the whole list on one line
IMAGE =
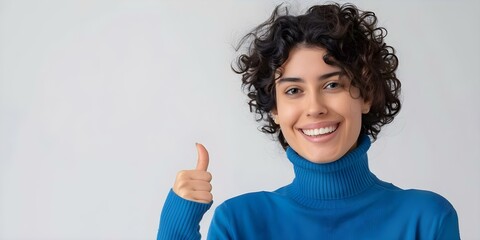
[(274, 115), (366, 106)]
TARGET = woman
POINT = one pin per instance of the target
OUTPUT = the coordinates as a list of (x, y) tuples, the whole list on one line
[(324, 84)]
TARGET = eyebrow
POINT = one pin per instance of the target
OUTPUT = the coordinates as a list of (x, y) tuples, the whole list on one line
[(321, 78)]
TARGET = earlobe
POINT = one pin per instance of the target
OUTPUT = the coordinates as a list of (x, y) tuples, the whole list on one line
[(366, 110), (366, 107), (275, 119), (274, 115)]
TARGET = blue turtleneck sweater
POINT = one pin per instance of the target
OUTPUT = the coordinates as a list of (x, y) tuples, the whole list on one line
[(338, 200)]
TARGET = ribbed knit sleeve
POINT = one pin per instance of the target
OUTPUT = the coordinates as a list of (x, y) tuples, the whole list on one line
[(180, 218)]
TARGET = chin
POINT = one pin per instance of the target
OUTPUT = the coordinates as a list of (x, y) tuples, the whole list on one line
[(322, 158)]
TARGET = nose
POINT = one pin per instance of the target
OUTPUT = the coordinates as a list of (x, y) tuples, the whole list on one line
[(315, 106)]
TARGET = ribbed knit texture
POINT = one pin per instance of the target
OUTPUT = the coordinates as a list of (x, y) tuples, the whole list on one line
[(337, 200), (180, 218), (343, 178)]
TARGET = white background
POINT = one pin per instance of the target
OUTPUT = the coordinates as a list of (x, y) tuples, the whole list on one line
[(101, 103)]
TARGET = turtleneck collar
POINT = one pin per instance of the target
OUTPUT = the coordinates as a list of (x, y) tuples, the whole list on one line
[(346, 177)]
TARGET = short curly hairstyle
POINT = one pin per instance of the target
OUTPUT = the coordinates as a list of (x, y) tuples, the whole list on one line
[(353, 42)]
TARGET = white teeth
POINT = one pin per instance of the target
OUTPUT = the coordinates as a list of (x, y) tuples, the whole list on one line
[(319, 131)]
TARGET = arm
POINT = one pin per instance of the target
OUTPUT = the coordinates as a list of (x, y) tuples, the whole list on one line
[(188, 200), (180, 218)]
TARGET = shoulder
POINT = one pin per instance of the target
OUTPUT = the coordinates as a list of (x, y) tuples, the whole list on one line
[(425, 204), (427, 199), (415, 197), (415, 201), (432, 211), (246, 215), (255, 198), (431, 214), (254, 202)]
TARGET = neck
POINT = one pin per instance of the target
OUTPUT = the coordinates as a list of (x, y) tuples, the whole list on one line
[(345, 177)]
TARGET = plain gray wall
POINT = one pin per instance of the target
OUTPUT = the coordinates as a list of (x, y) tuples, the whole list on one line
[(101, 103)]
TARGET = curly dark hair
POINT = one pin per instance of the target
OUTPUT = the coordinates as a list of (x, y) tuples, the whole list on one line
[(353, 42)]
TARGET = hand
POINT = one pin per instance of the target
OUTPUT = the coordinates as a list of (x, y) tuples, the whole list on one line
[(195, 184)]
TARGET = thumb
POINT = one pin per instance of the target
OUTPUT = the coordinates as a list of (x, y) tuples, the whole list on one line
[(202, 162)]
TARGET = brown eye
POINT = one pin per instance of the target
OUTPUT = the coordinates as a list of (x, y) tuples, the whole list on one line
[(292, 91), (333, 85)]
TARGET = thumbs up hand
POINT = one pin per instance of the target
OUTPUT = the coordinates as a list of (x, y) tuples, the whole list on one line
[(195, 184)]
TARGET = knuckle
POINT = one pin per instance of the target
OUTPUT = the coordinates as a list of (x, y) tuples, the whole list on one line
[(179, 184), (182, 174), (208, 176), (209, 197)]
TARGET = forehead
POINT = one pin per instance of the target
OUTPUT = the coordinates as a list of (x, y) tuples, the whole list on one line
[(306, 60)]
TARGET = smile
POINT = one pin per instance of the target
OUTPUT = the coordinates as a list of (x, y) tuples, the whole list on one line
[(319, 131)]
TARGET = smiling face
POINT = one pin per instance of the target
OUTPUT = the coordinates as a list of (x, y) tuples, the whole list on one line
[(319, 113)]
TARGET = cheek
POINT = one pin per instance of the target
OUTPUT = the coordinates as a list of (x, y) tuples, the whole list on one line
[(355, 109), (288, 114), (354, 113)]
